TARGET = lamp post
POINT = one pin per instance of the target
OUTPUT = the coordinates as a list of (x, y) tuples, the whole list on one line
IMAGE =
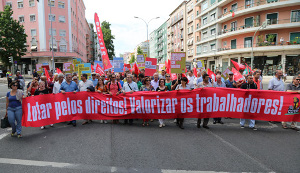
[(53, 68), (263, 26), (147, 24)]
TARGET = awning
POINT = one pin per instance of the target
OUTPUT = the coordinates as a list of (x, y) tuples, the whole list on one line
[(33, 47)]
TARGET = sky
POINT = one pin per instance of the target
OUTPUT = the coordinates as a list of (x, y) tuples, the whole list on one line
[(129, 31)]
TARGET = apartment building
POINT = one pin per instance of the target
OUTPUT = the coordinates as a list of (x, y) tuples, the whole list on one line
[(225, 31), (69, 30), (176, 28), (158, 43), (152, 44), (144, 46), (190, 23)]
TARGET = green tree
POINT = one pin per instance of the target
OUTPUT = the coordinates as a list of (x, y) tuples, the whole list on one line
[(132, 60), (12, 37), (108, 39), (139, 50)]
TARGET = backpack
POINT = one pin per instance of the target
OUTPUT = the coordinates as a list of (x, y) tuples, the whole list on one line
[(117, 85)]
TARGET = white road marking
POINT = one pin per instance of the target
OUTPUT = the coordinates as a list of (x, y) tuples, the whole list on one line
[(34, 163), (3, 135), (2, 97), (241, 152)]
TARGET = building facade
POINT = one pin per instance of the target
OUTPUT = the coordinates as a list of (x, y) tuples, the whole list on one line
[(225, 31), (144, 46), (69, 30), (190, 23), (161, 43), (152, 44)]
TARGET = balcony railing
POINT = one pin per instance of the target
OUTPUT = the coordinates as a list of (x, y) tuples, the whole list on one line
[(176, 20), (270, 22), (253, 4)]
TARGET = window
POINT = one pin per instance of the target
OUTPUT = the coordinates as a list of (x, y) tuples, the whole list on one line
[(225, 27), (205, 21), (225, 43), (272, 18), (204, 34), (248, 42), (295, 37), (33, 32), (31, 3), (213, 31), (32, 18), (270, 1), (52, 2), (234, 7), (53, 31), (204, 6), (9, 4), (295, 16), (21, 19), (249, 22), (233, 26), (51, 17), (61, 4), (225, 11), (233, 44), (213, 16), (248, 3), (213, 46), (62, 33), (271, 38), (204, 48), (20, 4), (212, 1), (62, 48), (198, 49), (62, 19)]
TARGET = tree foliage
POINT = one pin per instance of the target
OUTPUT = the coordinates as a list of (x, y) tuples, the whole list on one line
[(12, 37), (108, 39), (132, 60), (139, 50)]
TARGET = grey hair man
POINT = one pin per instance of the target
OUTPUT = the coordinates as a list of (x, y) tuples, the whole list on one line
[(276, 83)]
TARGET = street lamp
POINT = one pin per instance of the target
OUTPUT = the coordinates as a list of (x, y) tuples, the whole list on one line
[(147, 24), (263, 26)]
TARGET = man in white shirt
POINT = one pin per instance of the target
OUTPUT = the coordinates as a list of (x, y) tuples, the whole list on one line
[(163, 75), (84, 83), (130, 87), (191, 79), (155, 81), (57, 84)]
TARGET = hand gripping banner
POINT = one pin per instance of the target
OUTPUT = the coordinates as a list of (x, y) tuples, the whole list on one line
[(199, 103)]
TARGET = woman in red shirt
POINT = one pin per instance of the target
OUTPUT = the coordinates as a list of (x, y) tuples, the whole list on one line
[(33, 86)]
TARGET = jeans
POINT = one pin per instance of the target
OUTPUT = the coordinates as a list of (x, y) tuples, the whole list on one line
[(15, 114), (251, 123)]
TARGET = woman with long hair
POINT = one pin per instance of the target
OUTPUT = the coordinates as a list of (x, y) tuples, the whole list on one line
[(182, 86), (161, 88), (101, 88), (146, 87), (168, 81)]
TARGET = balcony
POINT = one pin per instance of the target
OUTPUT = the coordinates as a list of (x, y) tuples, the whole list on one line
[(256, 7), (273, 24), (176, 20)]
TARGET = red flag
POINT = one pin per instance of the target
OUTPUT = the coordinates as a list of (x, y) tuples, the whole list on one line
[(211, 74), (47, 74), (173, 76), (136, 69), (237, 75), (92, 68), (58, 70), (169, 66), (195, 71), (104, 54), (99, 69), (238, 66), (185, 70)]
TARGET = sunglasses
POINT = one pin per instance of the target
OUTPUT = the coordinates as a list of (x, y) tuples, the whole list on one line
[(14, 85), (74, 79), (93, 75), (102, 76), (167, 76), (298, 79), (113, 77), (147, 80)]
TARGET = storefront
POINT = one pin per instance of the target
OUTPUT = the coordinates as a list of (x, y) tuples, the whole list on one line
[(292, 64), (268, 64)]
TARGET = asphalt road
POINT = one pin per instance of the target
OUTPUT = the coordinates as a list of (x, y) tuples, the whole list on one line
[(122, 148)]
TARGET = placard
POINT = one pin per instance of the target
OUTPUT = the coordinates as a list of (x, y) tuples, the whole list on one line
[(68, 67), (140, 60), (178, 60), (118, 64), (150, 66)]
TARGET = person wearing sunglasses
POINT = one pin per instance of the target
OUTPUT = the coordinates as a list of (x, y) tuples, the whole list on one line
[(162, 88), (94, 79), (293, 87), (146, 87), (168, 82), (14, 108)]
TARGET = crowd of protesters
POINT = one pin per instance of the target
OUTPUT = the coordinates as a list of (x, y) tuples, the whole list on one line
[(129, 82)]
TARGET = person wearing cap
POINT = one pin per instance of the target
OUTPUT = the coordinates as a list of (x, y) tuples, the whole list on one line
[(230, 83), (94, 79)]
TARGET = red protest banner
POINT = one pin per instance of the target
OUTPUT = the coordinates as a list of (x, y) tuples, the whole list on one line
[(150, 66), (200, 103), (104, 54)]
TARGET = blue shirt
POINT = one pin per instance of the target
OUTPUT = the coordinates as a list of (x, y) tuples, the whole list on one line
[(229, 84), (276, 84), (95, 82), (68, 88), (199, 80), (122, 83), (13, 102)]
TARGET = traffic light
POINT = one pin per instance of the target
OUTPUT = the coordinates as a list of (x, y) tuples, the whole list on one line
[(11, 60)]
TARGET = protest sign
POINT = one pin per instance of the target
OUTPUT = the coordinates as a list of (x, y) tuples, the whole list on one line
[(161, 67), (199, 103), (200, 64), (225, 74), (75, 64), (39, 68), (118, 64), (178, 60), (140, 60), (85, 68), (68, 67), (150, 66)]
